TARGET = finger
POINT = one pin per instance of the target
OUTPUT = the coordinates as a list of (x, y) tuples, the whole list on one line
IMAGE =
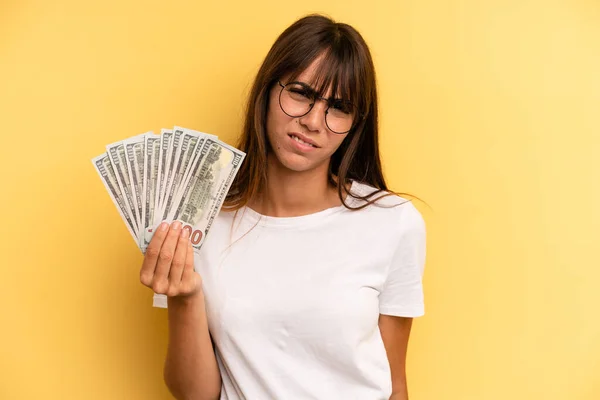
[(152, 252), (178, 263), (189, 277), (160, 282)]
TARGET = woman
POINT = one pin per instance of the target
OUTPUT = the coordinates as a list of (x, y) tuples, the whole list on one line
[(309, 279)]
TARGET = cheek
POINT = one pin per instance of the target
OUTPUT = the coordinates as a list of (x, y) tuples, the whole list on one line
[(276, 122), (335, 141)]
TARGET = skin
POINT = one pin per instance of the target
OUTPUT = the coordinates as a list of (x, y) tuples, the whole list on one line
[(191, 371), (297, 185)]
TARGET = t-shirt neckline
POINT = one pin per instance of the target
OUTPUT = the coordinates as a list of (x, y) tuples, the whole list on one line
[(301, 220)]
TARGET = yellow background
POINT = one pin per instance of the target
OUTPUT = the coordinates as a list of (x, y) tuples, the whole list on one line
[(490, 112)]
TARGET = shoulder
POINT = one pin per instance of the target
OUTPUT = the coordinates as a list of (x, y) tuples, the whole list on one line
[(397, 213), (384, 201)]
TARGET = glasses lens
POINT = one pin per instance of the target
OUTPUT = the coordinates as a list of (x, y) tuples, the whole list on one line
[(295, 100), (340, 116)]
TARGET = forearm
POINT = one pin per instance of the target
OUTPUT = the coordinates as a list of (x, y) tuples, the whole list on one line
[(403, 395), (400, 389), (191, 370)]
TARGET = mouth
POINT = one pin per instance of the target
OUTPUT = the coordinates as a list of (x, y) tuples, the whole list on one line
[(303, 140)]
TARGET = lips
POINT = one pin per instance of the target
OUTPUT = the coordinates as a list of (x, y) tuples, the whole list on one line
[(298, 137)]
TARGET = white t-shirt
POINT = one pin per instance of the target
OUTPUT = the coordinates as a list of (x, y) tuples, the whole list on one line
[(293, 304)]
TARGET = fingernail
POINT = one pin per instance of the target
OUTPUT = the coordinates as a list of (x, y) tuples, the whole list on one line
[(176, 225), (163, 226), (185, 232)]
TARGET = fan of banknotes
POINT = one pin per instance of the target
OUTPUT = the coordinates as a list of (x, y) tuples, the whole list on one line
[(181, 175)]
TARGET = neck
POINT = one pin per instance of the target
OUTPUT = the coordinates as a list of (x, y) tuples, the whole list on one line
[(290, 194)]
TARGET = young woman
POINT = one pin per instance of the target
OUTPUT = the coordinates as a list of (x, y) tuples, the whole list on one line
[(307, 283)]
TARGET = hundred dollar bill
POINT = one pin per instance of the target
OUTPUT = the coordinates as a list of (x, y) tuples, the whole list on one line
[(165, 138), (116, 153), (104, 167), (181, 145), (134, 151), (196, 157), (206, 188), (188, 143), (151, 157), (174, 146), (193, 159)]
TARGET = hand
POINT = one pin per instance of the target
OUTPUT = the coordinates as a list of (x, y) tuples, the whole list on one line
[(168, 266)]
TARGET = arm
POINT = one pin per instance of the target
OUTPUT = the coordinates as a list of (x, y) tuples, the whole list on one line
[(395, 332), (401, 299), (191, 370)]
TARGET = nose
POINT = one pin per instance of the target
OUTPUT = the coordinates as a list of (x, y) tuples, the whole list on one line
[(315, 119)]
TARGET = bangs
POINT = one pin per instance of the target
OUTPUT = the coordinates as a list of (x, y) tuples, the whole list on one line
[(338, 68)]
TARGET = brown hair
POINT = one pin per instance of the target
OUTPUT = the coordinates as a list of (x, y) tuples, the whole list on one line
[(348, 68)]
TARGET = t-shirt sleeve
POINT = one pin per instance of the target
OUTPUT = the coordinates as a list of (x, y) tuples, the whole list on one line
[(402, 293)]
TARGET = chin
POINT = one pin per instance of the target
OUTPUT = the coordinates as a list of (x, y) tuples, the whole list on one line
[(296, 162)]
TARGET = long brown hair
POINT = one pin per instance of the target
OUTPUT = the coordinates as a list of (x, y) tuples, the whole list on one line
[(348, 68)]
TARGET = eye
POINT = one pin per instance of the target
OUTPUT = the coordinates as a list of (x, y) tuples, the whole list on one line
[(299, 92), (342, 106)]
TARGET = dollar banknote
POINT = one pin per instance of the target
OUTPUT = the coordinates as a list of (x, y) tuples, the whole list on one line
[(104, 168), (180, 174), (134, 152), (118, 158), (174, 146), (185, 147), (189, 141), (196, 157), (151, 157), (207, 185), (166, 136)]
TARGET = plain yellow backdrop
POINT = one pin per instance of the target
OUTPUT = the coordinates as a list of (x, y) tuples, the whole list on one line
[(490, 112)]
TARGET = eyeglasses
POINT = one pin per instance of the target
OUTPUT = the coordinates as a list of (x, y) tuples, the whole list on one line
[(296, 99)]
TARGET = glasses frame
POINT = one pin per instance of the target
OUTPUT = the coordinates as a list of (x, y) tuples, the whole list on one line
[(357, 117)]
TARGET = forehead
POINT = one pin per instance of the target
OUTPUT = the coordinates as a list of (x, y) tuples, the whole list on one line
[(308, 75), (318, 76)]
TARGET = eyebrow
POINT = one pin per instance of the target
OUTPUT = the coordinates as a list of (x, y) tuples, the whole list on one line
[(315, 93)]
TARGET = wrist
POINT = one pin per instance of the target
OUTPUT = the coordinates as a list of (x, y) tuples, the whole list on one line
[(186, 300)]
